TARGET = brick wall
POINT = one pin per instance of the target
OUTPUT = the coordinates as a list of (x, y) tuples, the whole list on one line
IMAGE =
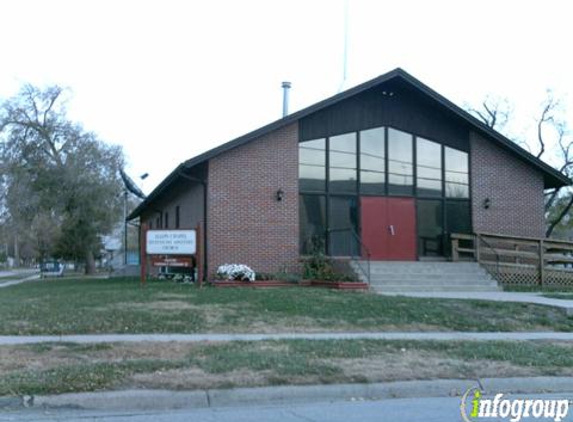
[(246, 224), (514, 188)]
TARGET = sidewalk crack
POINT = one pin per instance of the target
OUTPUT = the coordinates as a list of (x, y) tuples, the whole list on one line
[(302, 417)]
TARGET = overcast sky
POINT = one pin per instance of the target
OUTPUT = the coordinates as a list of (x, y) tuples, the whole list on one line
[(170, 79)]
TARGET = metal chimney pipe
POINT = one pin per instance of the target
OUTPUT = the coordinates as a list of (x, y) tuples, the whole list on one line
[(286, 86)]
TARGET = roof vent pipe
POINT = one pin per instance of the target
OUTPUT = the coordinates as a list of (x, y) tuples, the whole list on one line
[(286, 87)]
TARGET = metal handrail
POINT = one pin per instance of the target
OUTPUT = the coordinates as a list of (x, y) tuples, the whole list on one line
[(363, 248)]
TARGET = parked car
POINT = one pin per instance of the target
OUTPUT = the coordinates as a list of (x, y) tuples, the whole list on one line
[(51, 269)]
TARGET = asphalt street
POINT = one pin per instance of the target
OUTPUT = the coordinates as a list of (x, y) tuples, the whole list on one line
[(411, 410)]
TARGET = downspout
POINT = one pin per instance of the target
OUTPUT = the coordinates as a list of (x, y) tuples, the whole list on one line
[(204, 185)]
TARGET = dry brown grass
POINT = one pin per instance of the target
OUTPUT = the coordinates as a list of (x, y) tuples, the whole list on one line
[(379, 364)]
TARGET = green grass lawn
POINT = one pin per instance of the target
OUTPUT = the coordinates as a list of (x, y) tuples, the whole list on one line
[(51, 368), (121, 306)]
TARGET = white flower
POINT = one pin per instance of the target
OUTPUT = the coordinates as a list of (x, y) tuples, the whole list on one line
[(236, 272)]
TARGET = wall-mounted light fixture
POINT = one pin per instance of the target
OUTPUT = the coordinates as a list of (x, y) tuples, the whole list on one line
[(279, 195), (486, 203)]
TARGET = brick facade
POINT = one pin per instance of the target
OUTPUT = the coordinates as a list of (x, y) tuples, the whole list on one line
[(246, 224), (514, 188)]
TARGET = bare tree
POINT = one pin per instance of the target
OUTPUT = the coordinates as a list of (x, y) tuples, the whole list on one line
[(494, 112), (550, 129)]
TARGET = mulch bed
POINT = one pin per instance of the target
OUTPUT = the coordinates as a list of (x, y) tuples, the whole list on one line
[(339, 285)]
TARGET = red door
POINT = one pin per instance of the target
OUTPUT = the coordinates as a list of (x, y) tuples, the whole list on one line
[(389, 228)]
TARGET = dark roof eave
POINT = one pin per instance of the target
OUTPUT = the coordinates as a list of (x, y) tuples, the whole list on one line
[(156, 192)]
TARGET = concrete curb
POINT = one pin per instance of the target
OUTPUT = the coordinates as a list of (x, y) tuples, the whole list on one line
[(527, 385), (125, 400), (165, 399)]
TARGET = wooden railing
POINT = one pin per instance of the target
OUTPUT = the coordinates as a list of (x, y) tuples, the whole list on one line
[(516, 260)]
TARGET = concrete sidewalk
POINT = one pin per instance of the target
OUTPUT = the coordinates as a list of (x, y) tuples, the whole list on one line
[(191, 338), (7, 283), (535, 298), (166, 400)]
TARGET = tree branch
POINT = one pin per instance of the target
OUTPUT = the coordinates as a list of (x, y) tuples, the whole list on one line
[(562, 214)]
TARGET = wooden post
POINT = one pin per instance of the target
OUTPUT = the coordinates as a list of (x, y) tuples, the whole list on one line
[(143, 256), (199, 254), (516, 248), (541, 263), (476, 247), (455, 246)]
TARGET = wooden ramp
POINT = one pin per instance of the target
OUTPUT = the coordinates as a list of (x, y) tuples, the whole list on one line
[(518, 261)]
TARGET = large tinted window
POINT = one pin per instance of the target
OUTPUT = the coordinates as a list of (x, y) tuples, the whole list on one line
[(312, 218), (342, 163), (457, 180), (343, 219), (400, 167), (312, 165), (372, 164), (428, 168), (430, 227), (458, 219)]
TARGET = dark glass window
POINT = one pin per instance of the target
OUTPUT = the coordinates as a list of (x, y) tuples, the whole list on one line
[(177, 222), (312, 165), (430, 227), (372, 164), (342, 163), (166, 220), (428, 168), (457, 180), (400, 167), (158, 222), (312, 218), (150, 224), (458, 219), (343, 219)]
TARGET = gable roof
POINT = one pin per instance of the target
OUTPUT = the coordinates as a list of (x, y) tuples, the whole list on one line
[(552, 178)]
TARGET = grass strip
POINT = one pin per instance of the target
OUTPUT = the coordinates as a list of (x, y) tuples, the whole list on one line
[(121, 306), (77, 368)]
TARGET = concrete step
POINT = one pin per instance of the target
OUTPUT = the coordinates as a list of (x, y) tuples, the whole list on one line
[(424, 270), (429, 277), (426, 276), (433, 282), (431, 288), (414, 283)]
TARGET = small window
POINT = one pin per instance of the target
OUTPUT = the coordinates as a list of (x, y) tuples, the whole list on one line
[(457, 180), (430, 227), (158, 222), (400, 163), (177, 217), (343, 221), (166, 220), (312, 217), (150, 224), (429, 168), (342, 163), (372, 161), (312, 165)]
